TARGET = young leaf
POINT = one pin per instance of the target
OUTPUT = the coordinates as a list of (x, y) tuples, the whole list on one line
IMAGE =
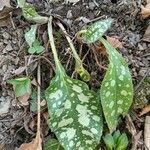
[(21, 86), (96, 31), (117, 89), (30, 36), (75, 115), (122, 142), (109, 141), (36, 48), (53, 144), (116, 135)]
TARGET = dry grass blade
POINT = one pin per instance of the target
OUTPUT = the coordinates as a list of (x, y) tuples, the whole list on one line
[(147, 132), (36, 143)]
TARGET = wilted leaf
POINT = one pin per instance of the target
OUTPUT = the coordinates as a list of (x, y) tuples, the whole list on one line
[(117, 89), (146, 36), (145, 11), (96, 31), (36, 144), (30, 36), (53, 144), (114, 42), (109, 141)]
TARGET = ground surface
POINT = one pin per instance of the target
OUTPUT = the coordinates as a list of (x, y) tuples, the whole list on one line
[(16, 126)]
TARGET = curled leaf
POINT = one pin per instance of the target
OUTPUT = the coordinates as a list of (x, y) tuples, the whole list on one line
[(96, 31)]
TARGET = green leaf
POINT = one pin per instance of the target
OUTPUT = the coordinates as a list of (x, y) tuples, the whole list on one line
[(96, 31), (117, 89), (109, 141), (36, 48), (30, 14), (75, 114), (21, 86), (122, 142), (53, 144), (116, 135), (30, 36)]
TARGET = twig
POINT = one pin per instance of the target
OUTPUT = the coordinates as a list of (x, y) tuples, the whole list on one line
[(147, 132)]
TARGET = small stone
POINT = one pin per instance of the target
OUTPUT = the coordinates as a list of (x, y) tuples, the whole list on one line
[(69, 14), (6, 35), (4, 106)]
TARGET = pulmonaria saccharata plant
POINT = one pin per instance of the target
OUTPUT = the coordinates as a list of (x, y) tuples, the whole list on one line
[(75, 110)]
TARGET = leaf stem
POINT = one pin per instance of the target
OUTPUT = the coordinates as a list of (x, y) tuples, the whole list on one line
[(75, 55), (51, 39)]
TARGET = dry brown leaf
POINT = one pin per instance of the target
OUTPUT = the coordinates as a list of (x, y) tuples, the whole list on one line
[(145, 110), (4, 3), (145, 11), (114, 42), (36, 144), (19, 70), (24, 99), (146, 36), (5, 9)]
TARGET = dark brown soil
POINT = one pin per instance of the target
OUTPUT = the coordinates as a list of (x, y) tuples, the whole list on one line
[(128, 26)]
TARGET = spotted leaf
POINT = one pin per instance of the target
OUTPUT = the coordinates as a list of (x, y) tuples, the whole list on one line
[(116, 90), (96, 31), (75, 114)]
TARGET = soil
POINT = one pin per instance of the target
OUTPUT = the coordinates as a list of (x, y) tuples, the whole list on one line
[(16, 125)]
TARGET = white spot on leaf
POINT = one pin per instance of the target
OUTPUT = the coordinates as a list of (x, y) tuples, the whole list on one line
[(83, 98), (124, 93), (65, 122), (57, 95), (77, 88), (111, 104)]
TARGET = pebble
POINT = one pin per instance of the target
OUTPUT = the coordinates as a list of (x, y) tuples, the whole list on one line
[(6, 35), (4, 105)]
